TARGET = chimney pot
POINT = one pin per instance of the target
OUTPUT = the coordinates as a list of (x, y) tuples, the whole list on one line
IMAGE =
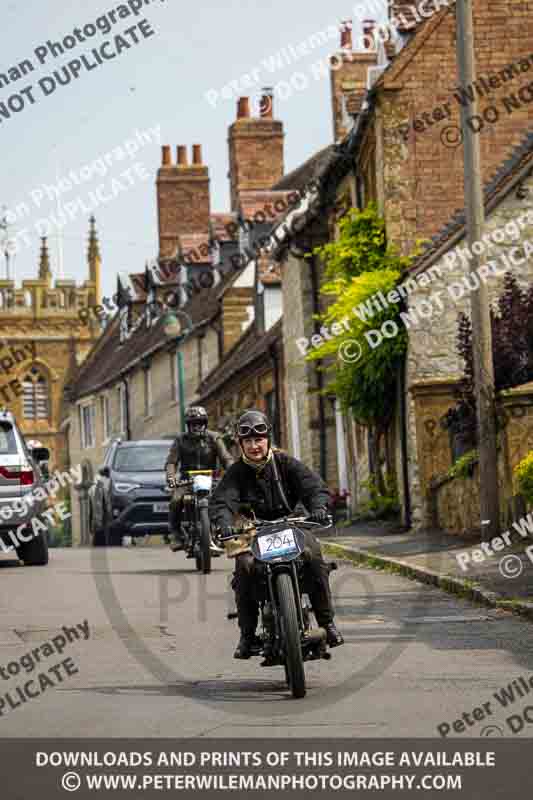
[(166, 156), (197, 154), (266, 108), (369, 26), (243, 107), (182, 155), (346, 35)]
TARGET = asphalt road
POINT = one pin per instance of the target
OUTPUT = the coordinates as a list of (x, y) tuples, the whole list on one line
[(158, 660)]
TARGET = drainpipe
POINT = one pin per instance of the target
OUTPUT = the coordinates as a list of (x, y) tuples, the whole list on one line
[(127, 393), (277, 421), (403, 444), (319, 377)]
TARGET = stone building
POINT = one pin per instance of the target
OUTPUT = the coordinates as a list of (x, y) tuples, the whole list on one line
[(438, 287), (136, 384), (315, 426), (251, 371), (395, 112), (44, 336)]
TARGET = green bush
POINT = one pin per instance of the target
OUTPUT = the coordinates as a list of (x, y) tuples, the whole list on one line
[(523, 473), (381, 505), (60, 534)]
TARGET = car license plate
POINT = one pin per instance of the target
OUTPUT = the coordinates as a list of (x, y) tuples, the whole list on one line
[(161, 508), (275, 545)]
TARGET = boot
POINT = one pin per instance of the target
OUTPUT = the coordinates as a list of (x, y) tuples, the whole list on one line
[(177, 541), (333, 636), (249, 645)]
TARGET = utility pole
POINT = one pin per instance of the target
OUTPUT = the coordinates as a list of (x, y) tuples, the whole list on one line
[(480, 310)]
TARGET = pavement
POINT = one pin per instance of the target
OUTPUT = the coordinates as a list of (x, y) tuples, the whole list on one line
[(158, 661), (456, 564)]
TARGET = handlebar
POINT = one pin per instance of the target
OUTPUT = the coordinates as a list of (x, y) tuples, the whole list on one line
[(259, 523), (200, 471)]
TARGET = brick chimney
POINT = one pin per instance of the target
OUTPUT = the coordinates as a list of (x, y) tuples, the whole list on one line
[(348, 70), (182, 198), (255, 149)]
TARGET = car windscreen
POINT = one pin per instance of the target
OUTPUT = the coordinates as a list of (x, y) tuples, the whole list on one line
[(8, 443), (151, 458)]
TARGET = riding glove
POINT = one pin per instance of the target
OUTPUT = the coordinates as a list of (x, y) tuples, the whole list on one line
[(320, 515)]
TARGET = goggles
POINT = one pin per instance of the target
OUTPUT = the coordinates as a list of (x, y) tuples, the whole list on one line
[(248, 431)]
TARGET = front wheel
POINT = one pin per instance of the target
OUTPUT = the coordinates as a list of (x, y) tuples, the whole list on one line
[(205, 541), (290, 629), (35, 552)]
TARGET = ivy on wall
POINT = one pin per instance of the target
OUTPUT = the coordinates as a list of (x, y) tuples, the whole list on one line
[(359, 265)]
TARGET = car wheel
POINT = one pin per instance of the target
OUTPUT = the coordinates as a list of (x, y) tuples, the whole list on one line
[(35, 552), (98, 537), (112, 536), (116, 538), (97, 534)]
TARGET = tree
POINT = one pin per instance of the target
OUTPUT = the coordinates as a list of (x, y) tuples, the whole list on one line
[(359, 266)]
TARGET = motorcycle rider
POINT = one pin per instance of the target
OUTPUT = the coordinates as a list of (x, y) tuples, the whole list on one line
[(269, 483), (198, 448)]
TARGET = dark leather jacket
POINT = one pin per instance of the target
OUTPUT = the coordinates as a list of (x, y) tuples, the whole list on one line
[(243, 487), (197, 452)]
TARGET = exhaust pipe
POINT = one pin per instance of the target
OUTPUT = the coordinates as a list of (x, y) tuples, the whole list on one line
[(315, 636)]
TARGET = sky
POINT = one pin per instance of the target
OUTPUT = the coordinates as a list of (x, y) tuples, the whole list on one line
[(67, 145)]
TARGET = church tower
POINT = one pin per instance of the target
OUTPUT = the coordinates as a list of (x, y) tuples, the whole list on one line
[(44, 325)]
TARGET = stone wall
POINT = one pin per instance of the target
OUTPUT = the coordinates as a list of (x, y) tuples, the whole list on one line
[(454, 505)]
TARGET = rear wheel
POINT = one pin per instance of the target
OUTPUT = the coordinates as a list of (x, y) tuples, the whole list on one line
[(290, 629), (35, 552), (205, 541)]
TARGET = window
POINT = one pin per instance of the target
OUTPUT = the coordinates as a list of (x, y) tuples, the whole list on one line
[(35, 395), (106, 416), (147, 377), (87, 425), (8, 443)]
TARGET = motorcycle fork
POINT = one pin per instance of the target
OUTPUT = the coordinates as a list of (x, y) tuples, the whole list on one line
[(297, 596)]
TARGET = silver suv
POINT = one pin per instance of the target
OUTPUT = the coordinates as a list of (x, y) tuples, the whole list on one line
[(20, 475)]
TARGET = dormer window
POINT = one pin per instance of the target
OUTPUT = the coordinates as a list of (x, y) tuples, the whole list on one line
[(124, 324), (244, 239)]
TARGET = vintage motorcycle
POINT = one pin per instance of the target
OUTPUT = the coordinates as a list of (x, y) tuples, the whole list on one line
[(195, 523), (288, 637)]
